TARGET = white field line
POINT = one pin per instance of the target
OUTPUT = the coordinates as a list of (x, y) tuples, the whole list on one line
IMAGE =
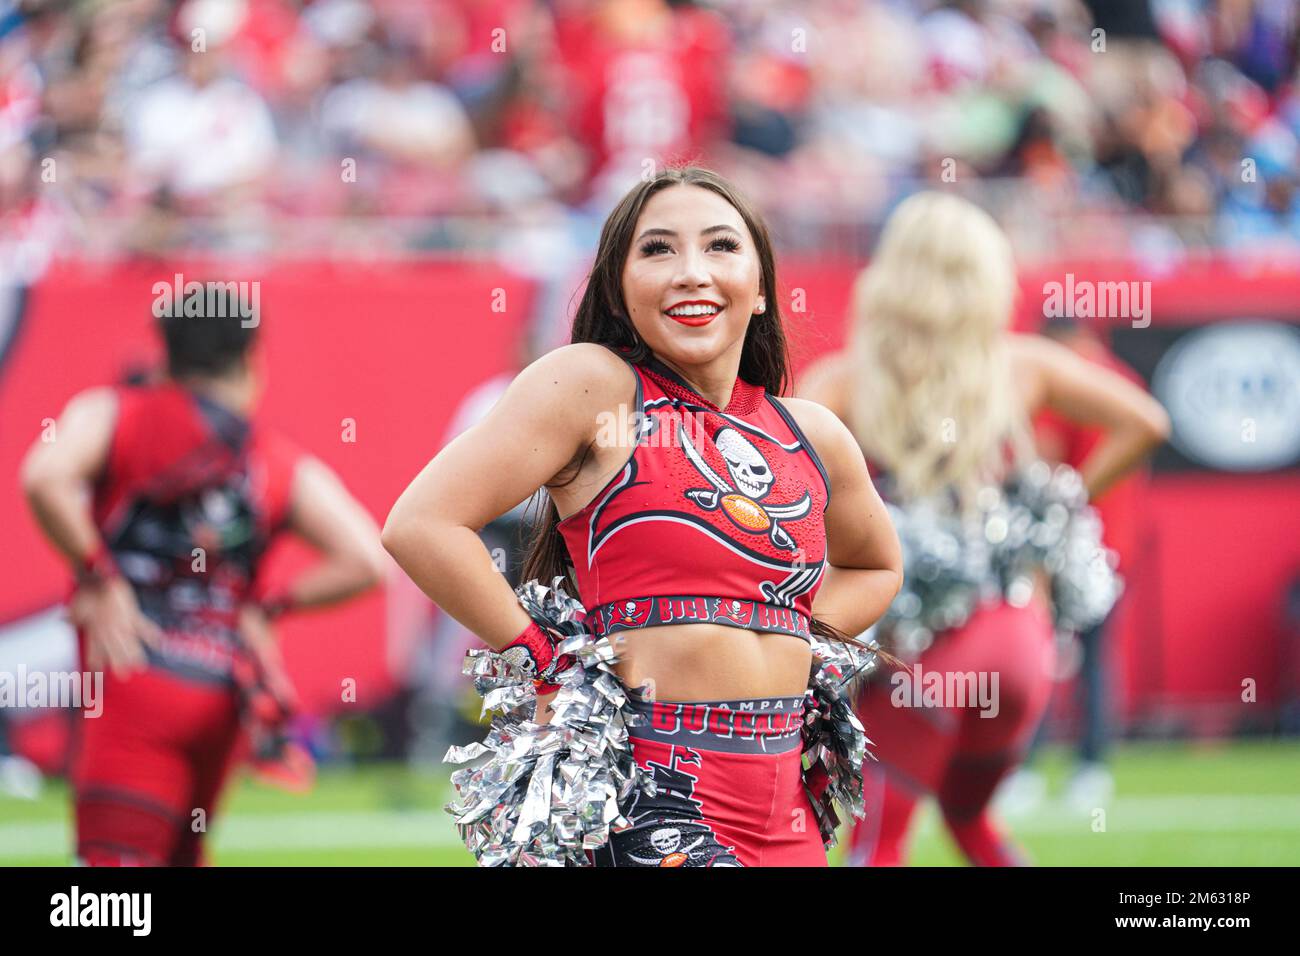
[(432, 829), (1183, 813), (273, 831)]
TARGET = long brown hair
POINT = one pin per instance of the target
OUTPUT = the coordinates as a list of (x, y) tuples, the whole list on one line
[(602, 317)]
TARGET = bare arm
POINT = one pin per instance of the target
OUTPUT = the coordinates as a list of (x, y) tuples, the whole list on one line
[(547, 415), (864, 560), (56, 478), (327, 517), (56, 475), (1089, 394)]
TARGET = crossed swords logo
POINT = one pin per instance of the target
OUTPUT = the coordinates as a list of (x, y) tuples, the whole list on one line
[(751, 480), (669, 838)]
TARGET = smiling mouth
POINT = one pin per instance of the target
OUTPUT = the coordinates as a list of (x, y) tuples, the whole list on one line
[(694, 313)]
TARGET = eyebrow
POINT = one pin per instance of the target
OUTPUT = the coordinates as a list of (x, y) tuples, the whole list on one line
[(669, 232)]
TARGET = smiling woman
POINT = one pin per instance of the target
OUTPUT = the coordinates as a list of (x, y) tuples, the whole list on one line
[(701, 538)]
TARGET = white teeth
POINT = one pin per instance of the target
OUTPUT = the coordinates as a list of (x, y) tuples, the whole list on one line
[(685, 310)]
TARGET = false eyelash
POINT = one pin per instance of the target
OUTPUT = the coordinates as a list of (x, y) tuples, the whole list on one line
[(656, 246)]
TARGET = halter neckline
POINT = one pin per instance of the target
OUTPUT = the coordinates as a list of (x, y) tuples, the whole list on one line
[(745, 397)]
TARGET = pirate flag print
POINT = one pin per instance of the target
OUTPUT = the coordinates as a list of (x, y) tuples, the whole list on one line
[(667, 826)]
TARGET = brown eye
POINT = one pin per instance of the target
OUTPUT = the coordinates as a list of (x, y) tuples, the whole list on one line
[(727, 243), (655, 247)]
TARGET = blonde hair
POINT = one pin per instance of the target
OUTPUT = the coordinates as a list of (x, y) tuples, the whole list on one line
[(931, 396)]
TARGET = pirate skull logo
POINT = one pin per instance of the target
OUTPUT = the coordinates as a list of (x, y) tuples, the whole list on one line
[(520, 659), (666, 839), (751, 480), (747, 467), (667, 842)]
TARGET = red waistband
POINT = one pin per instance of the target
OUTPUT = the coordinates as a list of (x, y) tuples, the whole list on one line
[(697, 609)]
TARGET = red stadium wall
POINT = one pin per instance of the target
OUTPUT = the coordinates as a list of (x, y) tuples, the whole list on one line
[(395, 347), (391, 346)]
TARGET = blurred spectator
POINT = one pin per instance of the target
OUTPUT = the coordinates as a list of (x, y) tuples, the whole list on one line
[(643, 81), (416, 131), (201, 139), (1082, 123)]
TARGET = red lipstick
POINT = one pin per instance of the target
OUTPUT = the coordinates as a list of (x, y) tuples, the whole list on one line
[(694, 320)]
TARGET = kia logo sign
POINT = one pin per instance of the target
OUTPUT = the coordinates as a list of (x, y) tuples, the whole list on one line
[(1233, 393)]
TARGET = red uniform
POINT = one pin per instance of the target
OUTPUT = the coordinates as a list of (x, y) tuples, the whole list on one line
[(728, 788), (630, 94), (191, 496), (716, 518), (956, 750)]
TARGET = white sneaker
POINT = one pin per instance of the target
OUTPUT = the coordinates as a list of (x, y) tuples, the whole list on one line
[(1092, 786), (20, 778), (1021, 793)]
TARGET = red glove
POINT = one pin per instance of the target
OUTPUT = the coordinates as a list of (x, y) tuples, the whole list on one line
[(533, 651)]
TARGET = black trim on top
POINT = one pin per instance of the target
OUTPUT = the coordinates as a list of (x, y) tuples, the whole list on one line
[(230, 428), (656, 365), (798, 433)]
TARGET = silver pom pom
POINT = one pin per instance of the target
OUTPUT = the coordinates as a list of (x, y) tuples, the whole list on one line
[(1039, 518), (834, 741), (547, 792)]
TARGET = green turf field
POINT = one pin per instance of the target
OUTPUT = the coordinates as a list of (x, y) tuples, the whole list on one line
[(1175, 805)]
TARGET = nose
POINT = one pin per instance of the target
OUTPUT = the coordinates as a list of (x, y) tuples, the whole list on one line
[(692, 271)]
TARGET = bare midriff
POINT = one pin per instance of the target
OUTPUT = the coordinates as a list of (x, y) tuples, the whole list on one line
[(696, 662)]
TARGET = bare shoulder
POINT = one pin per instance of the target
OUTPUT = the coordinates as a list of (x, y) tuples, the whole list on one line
[(583, 375), (568, 397), (825, 432), (1032, 359), (98, 405), (565, 394), (85, 434), (90, 416), (1038, 352), (808, 414), (825, 380), (1028, 346)]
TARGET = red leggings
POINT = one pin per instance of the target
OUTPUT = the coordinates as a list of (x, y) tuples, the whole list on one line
[(144, 769), (951, 751)]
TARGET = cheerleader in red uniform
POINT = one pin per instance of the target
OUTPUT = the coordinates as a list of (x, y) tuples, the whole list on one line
[(185, 495), (938, 395), (710, 527)]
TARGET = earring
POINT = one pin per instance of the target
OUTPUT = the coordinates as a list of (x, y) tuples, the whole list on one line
[(762, 307)]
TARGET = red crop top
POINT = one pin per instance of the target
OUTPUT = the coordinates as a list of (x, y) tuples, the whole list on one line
[(716, 517)]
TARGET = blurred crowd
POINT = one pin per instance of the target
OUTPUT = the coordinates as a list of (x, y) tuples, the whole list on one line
[(394, 126)]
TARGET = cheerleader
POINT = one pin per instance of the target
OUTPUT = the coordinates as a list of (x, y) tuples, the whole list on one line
[(712, 529), (163, 498), (938, 395)]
